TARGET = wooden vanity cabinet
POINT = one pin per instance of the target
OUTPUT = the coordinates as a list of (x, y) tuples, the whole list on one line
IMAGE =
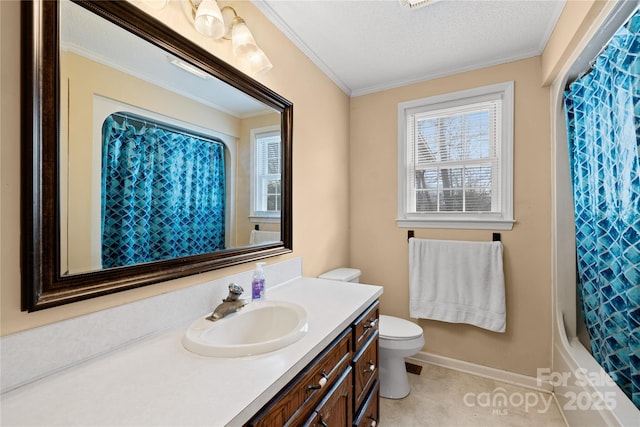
[(338, 388)]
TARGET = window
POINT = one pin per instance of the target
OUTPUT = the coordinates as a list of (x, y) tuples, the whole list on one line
[(455, 160), (266, 183)]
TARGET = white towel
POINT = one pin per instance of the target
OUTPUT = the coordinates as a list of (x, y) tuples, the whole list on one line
[(459, 282), (259, 236)]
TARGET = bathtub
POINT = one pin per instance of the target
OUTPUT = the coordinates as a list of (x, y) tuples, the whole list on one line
[(584, 392)]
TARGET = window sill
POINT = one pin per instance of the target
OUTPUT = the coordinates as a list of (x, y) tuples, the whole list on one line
[(265, 219), (475, 224)]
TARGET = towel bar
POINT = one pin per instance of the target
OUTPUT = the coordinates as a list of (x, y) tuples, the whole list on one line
[(496, 236)]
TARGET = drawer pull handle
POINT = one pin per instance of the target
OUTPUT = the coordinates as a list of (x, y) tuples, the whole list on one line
[(372, 367), (321, 383), (372, 323), (374, 422)]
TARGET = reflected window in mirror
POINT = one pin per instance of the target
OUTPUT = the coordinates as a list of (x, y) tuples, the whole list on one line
[(266, 202), (266, 184)]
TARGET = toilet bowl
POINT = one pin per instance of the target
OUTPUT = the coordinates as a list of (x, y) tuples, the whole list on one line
[(399, 338)]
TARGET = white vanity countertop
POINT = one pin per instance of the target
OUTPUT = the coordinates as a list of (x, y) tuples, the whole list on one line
[(158, 382)]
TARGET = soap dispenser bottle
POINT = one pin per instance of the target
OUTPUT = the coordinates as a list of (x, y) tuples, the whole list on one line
[(258, 283)]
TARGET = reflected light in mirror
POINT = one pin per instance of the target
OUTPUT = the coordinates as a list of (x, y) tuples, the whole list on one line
[(188, 68)]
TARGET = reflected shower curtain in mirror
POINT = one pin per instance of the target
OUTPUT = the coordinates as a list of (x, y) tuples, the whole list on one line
[(603, 121), (163, 193)]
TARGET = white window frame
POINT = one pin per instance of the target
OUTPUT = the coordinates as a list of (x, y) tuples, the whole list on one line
[(257, 215), (502, 217)]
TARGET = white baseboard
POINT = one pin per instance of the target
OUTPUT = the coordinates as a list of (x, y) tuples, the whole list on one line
[(482, 371)]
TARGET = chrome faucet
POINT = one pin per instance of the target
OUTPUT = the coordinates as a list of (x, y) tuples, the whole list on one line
[(230, 304)]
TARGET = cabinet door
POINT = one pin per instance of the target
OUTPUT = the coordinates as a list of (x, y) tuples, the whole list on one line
[(335, 410)]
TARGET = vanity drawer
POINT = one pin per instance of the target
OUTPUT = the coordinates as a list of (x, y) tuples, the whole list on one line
[(300, 397), (369, 415), (366, 325), (335, 409), (365, 368)]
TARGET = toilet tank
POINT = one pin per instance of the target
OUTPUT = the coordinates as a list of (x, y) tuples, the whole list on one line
[(342, 275)]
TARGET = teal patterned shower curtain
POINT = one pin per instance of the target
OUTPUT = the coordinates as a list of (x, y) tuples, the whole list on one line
[(603, 121), (163, 193)]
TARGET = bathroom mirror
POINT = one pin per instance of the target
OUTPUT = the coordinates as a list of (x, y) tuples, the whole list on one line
[(94, 69)]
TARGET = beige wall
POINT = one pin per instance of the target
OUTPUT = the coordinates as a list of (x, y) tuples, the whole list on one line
[(320, 227), (380, 248)]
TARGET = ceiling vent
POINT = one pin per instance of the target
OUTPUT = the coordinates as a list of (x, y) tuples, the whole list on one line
[(415, 4)]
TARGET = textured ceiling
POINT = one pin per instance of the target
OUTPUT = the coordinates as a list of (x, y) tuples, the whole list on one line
[(365, 46)]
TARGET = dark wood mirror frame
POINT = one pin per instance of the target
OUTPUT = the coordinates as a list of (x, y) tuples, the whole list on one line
[(43, 285)]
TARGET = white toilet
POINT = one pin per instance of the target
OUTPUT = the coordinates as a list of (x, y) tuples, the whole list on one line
[(399, 338)]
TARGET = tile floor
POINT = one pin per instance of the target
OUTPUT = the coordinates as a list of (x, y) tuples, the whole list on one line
[(443, 397)]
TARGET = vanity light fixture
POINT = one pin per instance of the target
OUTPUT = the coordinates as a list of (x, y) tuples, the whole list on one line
[(209, 21)]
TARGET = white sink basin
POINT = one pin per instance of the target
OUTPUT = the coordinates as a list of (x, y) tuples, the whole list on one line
[(258, 327)]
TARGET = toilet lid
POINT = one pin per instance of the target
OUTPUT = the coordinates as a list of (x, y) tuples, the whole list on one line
[(341, 274), (394, 328)]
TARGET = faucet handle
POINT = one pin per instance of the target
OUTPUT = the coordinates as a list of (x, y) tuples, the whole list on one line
[(235, 291)]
